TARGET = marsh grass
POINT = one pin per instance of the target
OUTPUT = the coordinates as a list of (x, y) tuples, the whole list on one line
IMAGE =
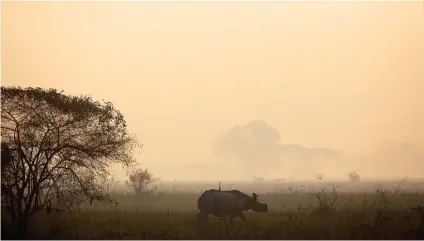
[(292, 216)]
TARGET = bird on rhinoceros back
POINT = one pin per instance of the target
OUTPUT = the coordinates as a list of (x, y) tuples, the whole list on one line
[(227, 204)]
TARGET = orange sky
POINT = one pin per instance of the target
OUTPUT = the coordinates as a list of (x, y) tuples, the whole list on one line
[(338, 75)]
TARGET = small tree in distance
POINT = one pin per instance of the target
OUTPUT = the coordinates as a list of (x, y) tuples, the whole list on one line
[(354, 177), (139, 180)]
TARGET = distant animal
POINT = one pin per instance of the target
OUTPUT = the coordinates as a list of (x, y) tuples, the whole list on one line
[(225, 204)]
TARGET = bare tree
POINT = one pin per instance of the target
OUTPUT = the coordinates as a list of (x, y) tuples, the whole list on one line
[(61, 147), (140, 179)]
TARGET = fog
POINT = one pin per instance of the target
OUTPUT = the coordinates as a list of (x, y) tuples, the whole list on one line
[(229, 91)]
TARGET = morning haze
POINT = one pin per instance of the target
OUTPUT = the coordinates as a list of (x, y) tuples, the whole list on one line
[(306, 78)]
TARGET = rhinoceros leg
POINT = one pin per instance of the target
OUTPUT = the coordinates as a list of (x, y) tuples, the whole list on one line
[(231, 218), (241, 216), (202, 218)]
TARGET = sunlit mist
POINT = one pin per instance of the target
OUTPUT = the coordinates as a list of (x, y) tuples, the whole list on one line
[(234, 91)]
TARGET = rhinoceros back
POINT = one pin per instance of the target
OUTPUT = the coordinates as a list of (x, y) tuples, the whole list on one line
[(219, 203)]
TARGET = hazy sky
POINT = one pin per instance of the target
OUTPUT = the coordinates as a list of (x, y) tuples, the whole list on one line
[(339, 75)]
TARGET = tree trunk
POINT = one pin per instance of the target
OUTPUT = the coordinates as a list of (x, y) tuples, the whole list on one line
[(22, 225), (22, 228)]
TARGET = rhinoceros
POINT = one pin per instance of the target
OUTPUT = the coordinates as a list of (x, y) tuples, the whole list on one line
[(224, 204)]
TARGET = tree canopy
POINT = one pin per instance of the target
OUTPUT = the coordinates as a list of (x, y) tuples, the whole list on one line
[(256, 145), (252, 144), (60, 147)]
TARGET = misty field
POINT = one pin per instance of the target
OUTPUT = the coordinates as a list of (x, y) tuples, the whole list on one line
[(330, 214)]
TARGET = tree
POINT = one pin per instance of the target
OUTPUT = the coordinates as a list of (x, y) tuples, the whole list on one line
[(6, 156), (252, 144), (139, 180), (6, 159), (354, 177), (256, 145), (62, 148)]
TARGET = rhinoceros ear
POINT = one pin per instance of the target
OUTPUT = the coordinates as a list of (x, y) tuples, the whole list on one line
[(255, 195)]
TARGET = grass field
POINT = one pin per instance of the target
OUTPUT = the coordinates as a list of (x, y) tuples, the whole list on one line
[(381, 214)]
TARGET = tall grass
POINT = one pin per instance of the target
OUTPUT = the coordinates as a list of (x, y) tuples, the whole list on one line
[(323, 214)]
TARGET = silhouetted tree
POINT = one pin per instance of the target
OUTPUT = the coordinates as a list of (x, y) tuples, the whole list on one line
[(6, 159), (6, 156), (139, 180), (62, 148)]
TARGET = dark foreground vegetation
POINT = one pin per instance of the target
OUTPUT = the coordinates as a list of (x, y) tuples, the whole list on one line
[(330, 215)]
